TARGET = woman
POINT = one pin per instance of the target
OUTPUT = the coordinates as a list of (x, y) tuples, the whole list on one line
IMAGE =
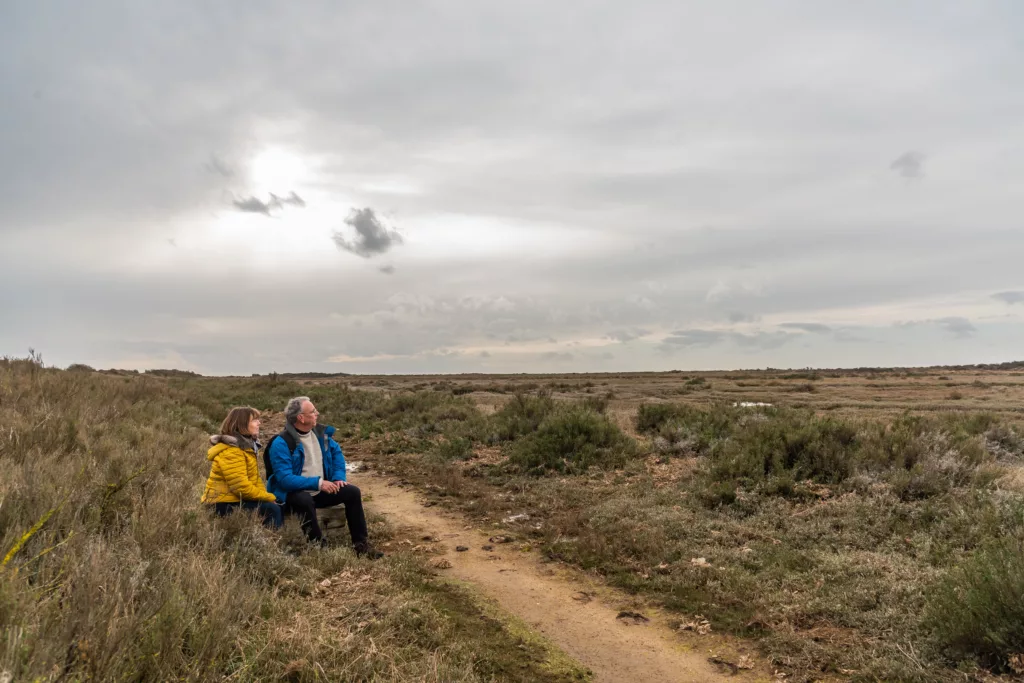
[(234, 480)]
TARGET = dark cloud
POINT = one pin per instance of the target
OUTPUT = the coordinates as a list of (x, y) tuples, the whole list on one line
[(707, 338), (1011, 298), (292, 199), (387, 270), (816, 328), (909, 165), (257, 205), (372, 237), (762, 340), (627, 335), (686, 338), (254, 205)]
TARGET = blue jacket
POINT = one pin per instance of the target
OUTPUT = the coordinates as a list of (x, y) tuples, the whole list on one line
[(287, 465)]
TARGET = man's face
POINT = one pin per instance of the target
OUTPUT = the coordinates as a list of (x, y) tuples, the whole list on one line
[(306, 419)]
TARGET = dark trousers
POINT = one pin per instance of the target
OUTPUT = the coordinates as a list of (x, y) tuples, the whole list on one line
[(271, 513), (304, 505)]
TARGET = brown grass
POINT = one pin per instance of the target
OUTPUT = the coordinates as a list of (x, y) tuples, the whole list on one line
[(112, 571)]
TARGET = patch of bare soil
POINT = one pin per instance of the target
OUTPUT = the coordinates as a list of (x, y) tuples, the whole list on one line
[(603, 629)]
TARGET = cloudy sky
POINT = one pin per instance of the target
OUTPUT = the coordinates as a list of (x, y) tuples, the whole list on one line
[(458, 185)]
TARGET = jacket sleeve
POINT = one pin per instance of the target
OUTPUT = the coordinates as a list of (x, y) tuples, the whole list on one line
[(337, 458), (261, 491), (281, 461), (236, 475)]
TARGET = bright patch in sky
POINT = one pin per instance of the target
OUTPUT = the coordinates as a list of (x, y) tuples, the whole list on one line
[(278, 170)]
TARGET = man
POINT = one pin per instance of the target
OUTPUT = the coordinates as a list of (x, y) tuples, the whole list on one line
[(306, 471)]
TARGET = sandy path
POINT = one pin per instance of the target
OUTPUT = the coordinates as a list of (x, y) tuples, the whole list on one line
[(556, 604)]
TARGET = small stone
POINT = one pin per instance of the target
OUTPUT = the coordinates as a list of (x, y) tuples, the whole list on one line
[(488, 548), (441, 564), (461, 548)]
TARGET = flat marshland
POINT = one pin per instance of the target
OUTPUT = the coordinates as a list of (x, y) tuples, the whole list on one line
[(865, 525)]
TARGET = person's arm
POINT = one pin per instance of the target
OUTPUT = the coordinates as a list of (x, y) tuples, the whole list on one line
[(338, 459), (281, 462), (236, 475), (264, 495)]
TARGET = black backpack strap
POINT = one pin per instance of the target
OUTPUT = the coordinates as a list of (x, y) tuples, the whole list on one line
[(289, 441)]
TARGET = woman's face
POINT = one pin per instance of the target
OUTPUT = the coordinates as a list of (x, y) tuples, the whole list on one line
[(254, 427)]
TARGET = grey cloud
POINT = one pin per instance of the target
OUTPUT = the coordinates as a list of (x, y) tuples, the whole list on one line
[(1011, 298), (372, 237), (387, 270), (763, 340), (257, 205), (626, 335), (218, 166), (815, 328), (556, 356), (293, 199), (254, 205), (957, 326), (706, 338), (909, 164), (737, 317), (685, 338)]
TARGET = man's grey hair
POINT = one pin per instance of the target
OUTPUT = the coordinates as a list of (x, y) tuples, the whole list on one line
[(294, 407)]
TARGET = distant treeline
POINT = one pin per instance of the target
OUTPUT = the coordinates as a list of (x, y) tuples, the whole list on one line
[(833, 372)]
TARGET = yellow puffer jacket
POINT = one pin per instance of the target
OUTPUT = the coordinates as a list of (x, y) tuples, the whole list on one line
[(234, 474)]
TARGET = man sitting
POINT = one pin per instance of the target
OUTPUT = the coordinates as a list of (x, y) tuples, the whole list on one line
[(306, 471)]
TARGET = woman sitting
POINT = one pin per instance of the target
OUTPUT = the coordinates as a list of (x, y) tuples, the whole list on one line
[(234, 480)]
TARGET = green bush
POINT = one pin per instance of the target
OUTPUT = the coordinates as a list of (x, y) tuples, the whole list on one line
[(571, 440), (650, 417), (819, 449), (521, 416), (676, 423), (455, 448), (977, 611)]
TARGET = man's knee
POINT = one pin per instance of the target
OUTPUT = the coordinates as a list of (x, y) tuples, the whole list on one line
[(351, 494), (300, 500)]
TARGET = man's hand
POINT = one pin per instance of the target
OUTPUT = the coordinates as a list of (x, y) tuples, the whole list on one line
[(341, 484), (328, 486)]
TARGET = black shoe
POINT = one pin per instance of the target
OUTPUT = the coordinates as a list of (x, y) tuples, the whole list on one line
[(368, 551)]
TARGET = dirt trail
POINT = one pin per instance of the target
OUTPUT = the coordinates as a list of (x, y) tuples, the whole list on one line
[(577, 616)]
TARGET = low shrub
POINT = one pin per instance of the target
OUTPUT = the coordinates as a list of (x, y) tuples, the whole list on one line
[(520, 416), (977, 610), (455, 448), (571, 440)]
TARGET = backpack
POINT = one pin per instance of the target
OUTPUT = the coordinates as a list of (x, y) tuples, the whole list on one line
[(289, 441)]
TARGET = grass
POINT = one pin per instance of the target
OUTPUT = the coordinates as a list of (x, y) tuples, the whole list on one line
[(831, 541), (978, 609), (112, 571), (848, 537)]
